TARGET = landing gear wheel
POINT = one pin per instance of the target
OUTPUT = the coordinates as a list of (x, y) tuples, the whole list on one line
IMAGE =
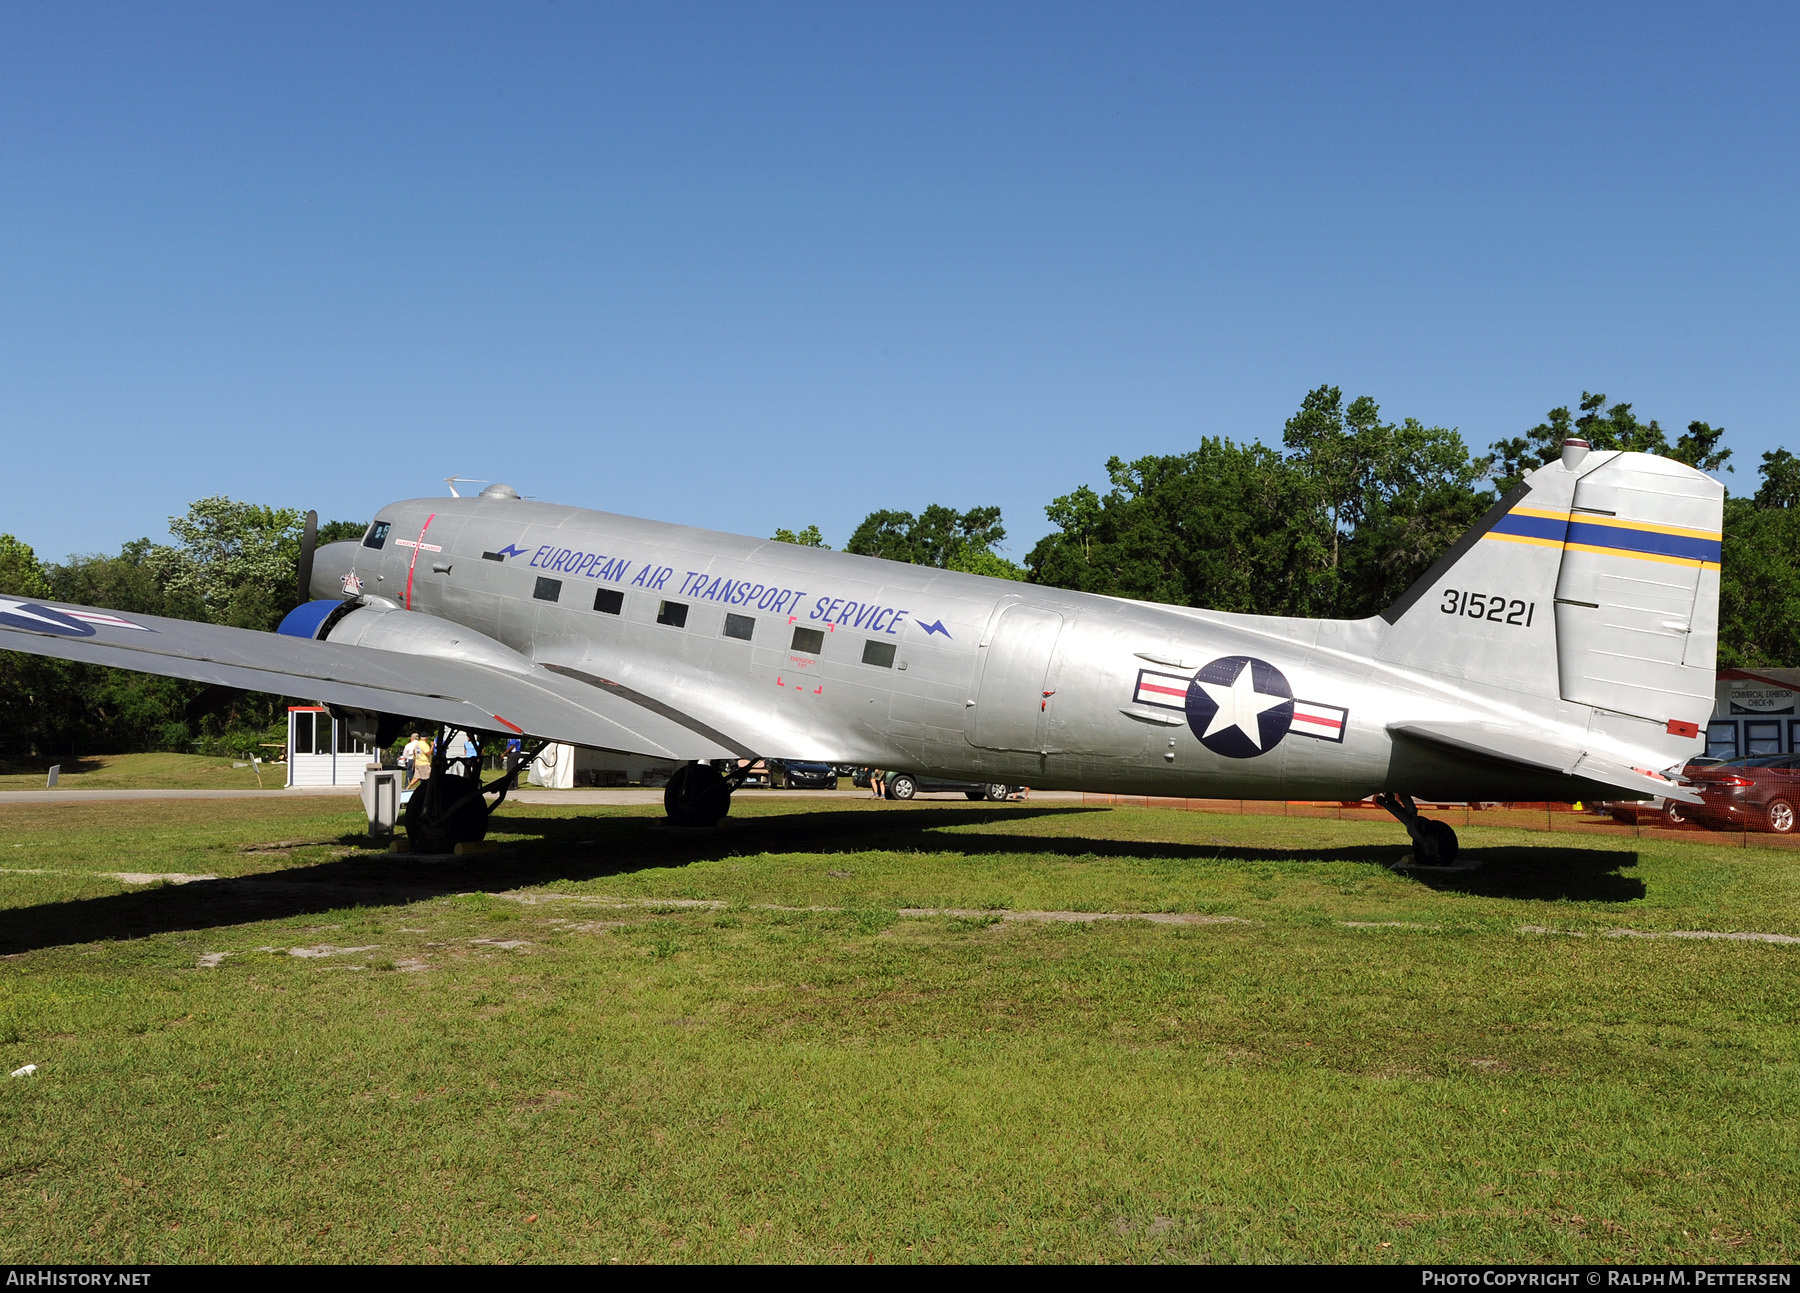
[(444, 811), (1779, 816), (995, 791), (1438, 847), (697, 795), (902, 787)]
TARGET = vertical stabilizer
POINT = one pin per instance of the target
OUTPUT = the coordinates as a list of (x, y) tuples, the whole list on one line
[(1595, 582)]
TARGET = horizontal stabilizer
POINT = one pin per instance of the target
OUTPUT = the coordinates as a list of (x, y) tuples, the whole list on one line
[(1505, 745)]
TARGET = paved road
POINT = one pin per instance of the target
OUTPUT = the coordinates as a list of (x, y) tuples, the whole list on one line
[(531, 796)]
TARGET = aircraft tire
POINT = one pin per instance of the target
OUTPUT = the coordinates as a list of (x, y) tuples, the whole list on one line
[(902, 787), (995, 792), (697, 795), (1440, 834), (446, 810)]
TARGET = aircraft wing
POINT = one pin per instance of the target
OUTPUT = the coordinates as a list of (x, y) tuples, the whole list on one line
[(1493, 741), (578, 708)]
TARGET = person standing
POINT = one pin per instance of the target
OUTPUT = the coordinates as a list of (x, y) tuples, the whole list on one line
[(416, 759)]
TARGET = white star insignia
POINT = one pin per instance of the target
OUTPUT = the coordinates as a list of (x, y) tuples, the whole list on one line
[(25, 613), (1241, 705)]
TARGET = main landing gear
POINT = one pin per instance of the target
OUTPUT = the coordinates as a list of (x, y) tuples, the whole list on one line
[(699, 794), (1434, 843), (450, 806)]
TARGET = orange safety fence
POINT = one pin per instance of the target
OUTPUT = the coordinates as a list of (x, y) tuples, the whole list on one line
[(1645, 823)]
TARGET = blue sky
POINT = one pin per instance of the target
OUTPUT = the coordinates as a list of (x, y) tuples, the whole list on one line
[(759, 265)]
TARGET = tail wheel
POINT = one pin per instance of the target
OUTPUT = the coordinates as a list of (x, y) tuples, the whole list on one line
[(902, 787), (1780, 816), (446, 810), (995, 792), (697, 795), (1439, 847)]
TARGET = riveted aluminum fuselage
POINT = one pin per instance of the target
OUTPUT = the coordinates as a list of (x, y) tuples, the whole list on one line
[(904, 670)]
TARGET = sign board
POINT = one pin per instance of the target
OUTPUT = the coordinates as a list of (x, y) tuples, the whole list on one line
[(1749, 696)]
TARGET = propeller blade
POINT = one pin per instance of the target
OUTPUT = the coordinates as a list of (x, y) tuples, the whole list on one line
[(309, 538)]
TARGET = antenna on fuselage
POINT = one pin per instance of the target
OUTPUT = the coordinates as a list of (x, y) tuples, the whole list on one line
[(454, 481)]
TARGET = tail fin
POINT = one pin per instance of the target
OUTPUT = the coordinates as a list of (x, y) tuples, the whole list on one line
[(1594, 582)]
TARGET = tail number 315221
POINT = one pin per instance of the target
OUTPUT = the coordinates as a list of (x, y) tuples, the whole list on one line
[(1487, 606)]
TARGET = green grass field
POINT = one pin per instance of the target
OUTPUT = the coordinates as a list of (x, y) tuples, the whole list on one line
[(145, 772), (622, 1042)]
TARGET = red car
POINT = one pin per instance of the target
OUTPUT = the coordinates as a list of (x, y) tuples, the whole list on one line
[(1756, 794)]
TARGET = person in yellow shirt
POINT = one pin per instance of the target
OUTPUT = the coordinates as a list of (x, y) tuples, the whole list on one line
[(416, 759)]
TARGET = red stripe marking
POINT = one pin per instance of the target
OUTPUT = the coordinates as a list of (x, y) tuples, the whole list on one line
[(415, 558), (1322, 722), (1166, 691), (515, 727)]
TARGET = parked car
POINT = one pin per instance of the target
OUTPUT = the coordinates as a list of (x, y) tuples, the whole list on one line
[(800, 775), (1755, 794), (904, 785)]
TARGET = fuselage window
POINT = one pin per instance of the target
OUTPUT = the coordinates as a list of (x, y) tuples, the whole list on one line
[(879, 653), (377, 534), (674, 614), (740, 626), (547, 590), (809, 641), (609, 601)]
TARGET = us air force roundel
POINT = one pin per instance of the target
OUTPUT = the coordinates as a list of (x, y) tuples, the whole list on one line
[(42, 619), (1240, 706)]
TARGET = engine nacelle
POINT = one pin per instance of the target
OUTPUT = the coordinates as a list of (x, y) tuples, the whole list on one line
[(382, 626)]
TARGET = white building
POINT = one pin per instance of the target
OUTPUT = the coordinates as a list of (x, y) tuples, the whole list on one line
[(1755, 711), (321, 751)]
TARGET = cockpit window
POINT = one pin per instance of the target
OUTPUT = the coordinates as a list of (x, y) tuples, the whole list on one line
[(377, 535)]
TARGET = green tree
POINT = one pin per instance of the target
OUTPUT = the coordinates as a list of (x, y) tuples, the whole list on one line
[(20, 571), (1759, 583), (240, 559), (938, 536), (807, 538), (1228, 526), (1390, 497), (340, 531)]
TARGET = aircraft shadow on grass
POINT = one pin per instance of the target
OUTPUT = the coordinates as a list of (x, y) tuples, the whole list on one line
[(587, 848)]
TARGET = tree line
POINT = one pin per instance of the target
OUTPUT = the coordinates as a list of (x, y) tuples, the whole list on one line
[(1344, 516), (1337, 522)]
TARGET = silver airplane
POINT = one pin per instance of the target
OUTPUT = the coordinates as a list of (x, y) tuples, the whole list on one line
[(1563, 649)]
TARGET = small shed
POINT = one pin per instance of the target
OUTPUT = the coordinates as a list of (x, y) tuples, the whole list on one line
[(1755, 711), (321, 751)]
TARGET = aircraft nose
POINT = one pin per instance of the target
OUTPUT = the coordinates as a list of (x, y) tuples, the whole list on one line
[(331, 563)]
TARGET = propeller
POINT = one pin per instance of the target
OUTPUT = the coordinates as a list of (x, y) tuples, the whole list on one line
[(309, 538)]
